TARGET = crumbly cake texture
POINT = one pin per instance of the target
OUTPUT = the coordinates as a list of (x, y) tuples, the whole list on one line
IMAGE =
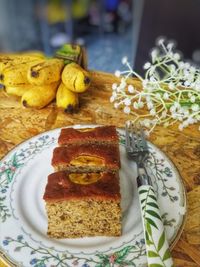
[(102, 135), (78, 210), (83, 218), (86, 158)]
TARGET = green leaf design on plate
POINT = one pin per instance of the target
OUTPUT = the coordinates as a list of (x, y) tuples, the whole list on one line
[(43, 256), (161, 241), (102, 257), (121, 255), (152, 254), (153, 213)]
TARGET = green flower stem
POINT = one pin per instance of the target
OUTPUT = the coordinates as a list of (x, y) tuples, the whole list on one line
[(166, 120), (138, 116), (186, 91), (128, 75), (181, 102), (196, 113), (172, 122), (160, 110), (152, 128), (164, 48), (133, 72), (179, 96), (124, 71)]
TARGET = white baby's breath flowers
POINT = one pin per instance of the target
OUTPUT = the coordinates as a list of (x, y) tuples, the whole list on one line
[(195, 107), (154, 54), (127, 110), (170, 45), (140, 104), (192, 99), (171, 85), (177, 56), (165, 96), (147, 65), (127, 101), (170, 90), (116, 105), (117, 73), (135, 105), (114, 86), (160, 41), (112, 99), (152, 112), (124, 60), (131, 88), (123, 83), (145, 83)]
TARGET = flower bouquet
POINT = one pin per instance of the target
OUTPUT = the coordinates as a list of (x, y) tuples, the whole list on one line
[(170, 90)]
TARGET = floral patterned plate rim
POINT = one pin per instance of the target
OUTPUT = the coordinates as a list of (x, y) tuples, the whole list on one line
[(23, 176)]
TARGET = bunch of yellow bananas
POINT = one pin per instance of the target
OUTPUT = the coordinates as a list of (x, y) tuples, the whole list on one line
[(74, 80), (39, 80)]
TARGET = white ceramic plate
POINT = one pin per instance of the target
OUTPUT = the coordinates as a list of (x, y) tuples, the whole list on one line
[(23, 176)]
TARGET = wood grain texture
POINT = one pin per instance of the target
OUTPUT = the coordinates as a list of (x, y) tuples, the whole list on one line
[(18, 124)]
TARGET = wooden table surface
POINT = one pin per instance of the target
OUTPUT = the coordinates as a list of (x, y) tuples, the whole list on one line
[(183, 147)]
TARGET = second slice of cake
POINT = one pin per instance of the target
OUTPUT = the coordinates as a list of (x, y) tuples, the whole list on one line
[(86, 158)]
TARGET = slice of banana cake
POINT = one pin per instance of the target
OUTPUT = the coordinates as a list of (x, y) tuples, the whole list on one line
[(86, 158), (100, 134), (83, 204)]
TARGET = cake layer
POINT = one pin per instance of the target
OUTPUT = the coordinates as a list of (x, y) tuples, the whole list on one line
[(64, 185), (103, 134), (81, 218), (86, 158)]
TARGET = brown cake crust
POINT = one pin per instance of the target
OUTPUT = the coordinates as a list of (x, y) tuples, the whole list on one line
[(103, 134), (60, 187), (62, 156)]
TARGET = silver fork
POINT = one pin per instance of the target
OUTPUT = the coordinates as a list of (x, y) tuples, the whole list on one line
[(137, 150), (157, 247)]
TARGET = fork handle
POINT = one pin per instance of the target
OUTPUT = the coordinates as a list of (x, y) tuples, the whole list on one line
[(157, 247)]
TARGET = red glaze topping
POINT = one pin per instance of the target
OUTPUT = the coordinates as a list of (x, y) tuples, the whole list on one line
[(98, 134), (60, 187), (109, 153)]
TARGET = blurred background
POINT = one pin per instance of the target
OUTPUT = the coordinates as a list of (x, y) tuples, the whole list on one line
[(109, 29)]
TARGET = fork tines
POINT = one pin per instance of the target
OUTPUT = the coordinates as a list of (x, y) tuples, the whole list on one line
[(135, 138)]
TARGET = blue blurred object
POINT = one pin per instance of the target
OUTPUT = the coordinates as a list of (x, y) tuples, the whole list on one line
[(24, 25), (106, 53), (18, 25), (111, 5)]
